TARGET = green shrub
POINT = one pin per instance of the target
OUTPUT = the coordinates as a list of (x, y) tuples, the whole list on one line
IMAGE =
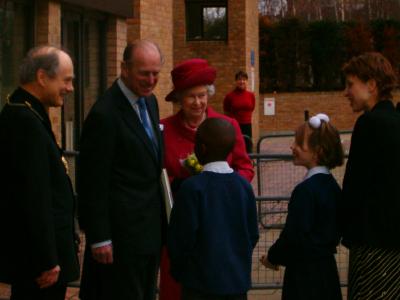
[(298, 56)]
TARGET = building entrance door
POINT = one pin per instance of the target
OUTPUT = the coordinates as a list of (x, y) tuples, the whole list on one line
[(83, 34)]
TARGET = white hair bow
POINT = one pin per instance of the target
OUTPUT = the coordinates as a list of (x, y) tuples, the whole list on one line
[(315, 121)]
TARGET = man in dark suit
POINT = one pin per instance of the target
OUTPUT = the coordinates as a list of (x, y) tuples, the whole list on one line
[(37, 253), (120, 197)]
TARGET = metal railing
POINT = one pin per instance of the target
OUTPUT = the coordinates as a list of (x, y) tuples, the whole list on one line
[(276, 177)]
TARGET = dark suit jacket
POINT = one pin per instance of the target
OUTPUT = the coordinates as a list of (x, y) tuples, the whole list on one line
[(371, 188), (37, 202), (119, 187)]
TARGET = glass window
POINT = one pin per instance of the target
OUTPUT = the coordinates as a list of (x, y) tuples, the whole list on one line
[(16, 37), (214, 23), (206, 20)]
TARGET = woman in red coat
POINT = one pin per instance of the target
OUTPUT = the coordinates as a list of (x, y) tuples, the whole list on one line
[(193, 84), (240, 103)]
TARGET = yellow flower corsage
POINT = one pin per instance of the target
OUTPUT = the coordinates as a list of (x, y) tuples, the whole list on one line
[(192, 164)]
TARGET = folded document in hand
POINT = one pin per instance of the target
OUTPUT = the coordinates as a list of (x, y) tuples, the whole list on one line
[(169, 201)]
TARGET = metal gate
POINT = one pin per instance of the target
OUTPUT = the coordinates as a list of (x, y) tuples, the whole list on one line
[(276, 177)]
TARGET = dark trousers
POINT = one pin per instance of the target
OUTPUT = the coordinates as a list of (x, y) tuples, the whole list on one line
[(131, 279), (246, 129), (31, 291), (246, 132), (191, 294)]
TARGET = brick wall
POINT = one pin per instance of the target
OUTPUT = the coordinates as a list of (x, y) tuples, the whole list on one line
[(48, 22), (48, 31), (226, 56), (153, 21), (252, 42), (289, 110), (116, 42)]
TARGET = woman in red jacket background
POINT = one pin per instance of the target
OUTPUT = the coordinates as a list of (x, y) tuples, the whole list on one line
[(240, 103)]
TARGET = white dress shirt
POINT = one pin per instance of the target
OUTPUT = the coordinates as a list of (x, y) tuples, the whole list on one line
[(221, 167), (316, 170)]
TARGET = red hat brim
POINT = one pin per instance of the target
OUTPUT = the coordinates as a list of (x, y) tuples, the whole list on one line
[(204, 76)]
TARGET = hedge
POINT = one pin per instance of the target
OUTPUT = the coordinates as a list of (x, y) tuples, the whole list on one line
[(299, 56)]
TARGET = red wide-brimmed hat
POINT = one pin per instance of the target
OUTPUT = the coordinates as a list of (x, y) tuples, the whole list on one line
[(191, 73)]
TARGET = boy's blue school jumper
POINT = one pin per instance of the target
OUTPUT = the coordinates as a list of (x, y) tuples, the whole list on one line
[(212, 233)]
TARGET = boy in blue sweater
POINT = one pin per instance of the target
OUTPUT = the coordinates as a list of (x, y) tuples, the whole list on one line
[(213, 228)]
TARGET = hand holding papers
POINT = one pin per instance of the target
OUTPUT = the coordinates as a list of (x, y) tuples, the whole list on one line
[(169, 201)]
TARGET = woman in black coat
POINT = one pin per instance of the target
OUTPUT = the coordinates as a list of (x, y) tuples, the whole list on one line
[(370, 208)]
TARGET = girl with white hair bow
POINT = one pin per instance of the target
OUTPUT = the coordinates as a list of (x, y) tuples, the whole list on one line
[(307, 244)]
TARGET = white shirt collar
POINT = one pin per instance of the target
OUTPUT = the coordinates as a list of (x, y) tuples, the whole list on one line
[(132, 98), (221, 167), (317, 170)]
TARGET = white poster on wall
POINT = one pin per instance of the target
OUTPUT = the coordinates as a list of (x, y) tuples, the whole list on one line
[(269, 106)]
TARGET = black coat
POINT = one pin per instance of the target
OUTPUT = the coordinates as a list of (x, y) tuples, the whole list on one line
[(37, 202), (371, 187), (307, 244), (120, 195)]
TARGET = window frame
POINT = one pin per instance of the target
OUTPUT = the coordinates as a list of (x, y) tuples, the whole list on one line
[(198, 6)]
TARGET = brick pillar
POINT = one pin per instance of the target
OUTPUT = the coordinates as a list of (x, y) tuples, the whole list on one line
[(116, 42), (156, 25), (134, 22), (48, 31), (252, 45)]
